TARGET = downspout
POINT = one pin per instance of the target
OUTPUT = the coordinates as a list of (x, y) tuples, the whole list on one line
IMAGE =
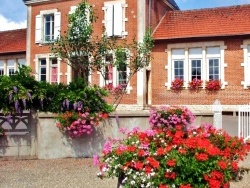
[(149, 12)]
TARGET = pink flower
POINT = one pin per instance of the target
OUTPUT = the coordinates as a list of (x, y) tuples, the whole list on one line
[(96, 160)]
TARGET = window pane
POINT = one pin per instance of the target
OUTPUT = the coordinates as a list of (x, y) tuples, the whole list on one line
[(196, 69), (43, 70), (43, 78), (179, 69), (214, 69), (1, 72)]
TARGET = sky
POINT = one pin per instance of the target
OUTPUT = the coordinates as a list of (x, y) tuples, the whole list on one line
[(13, 13)]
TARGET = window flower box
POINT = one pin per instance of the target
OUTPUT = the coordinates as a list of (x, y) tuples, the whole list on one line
[(195, 83), (177, 84), (213, 85)]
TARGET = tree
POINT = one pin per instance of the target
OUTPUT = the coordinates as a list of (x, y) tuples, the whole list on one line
[(85, 53)]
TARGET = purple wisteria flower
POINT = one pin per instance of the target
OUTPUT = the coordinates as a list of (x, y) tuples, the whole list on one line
[(15, 89)]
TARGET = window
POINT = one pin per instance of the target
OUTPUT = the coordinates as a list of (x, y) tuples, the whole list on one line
[(122, 75), (21, 62), (114, 18), (179, 69), (48, 71), (114, 75), (10, 67), (108, 75), (42, 70), (53, 71), (1, 68), (201, 62), (246, 49), (48, 25)]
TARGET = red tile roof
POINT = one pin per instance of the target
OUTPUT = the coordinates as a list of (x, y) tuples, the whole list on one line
[(13, 41), (222, 21)]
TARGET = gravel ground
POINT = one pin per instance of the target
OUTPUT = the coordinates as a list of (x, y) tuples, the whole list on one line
[(66, 173)]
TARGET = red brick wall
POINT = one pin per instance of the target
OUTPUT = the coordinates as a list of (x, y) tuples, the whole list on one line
[(234, 74), (64, 8)]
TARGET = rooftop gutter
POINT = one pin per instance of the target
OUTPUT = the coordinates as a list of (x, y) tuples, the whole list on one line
[(170, 5)]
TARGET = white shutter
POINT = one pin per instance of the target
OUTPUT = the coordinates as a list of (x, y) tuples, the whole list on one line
[(38, 33), (118, 19), (109, 20), (72, 9), (57, 25)]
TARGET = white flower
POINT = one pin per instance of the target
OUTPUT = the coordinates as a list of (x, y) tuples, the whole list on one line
[(173, 185), (132, 182), (124, 180)]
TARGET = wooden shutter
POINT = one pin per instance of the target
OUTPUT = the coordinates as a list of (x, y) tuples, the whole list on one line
[(109, 20), (118, 19), (38, 32), (57, 25)]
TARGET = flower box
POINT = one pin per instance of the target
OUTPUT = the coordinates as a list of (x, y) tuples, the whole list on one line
[(195, 83), (177, 84), (213, 85)]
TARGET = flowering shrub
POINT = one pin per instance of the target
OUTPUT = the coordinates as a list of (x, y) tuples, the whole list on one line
[(213, 85), (173, 157), (167, 117), (115, 90), (77, 123), (177, 84), (195, 83)]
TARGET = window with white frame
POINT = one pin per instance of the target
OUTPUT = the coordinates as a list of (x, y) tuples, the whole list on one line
[(10, 67), (246, 64), (114, 18), (53, 71), (21, 62), (42, 70), (48, 70), (48, 25), (203, 62), (114, 75), (1, 68)]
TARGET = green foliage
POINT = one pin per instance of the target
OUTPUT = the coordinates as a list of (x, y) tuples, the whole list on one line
[(84, 52), (22, 92)]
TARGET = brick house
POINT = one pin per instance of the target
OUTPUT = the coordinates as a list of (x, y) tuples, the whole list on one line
[(12, 50), (124, 19), (205, 44)]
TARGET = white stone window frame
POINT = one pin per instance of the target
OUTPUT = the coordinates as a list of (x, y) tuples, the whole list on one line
[(39, 26), (205, 70), (115, 75), (115, 13), (48, 58), (246, 64)]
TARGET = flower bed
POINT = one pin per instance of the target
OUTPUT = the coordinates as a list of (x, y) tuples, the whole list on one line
[(173, 154)]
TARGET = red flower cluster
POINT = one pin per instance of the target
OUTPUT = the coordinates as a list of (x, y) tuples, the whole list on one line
[(177, 84), (213, 85), (195, 83)]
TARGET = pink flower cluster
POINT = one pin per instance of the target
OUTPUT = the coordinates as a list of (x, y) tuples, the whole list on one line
[(115, 90), (177, 83), (170, 116)]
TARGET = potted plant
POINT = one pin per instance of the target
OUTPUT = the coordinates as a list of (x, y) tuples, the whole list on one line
[(195, 84), (177, 83), (213, 85)]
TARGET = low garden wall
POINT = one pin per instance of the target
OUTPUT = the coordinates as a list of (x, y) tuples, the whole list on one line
[(44, 140)]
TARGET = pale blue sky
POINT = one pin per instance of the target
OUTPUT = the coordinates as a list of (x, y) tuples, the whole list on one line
[(197, 4), (13, 12)]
